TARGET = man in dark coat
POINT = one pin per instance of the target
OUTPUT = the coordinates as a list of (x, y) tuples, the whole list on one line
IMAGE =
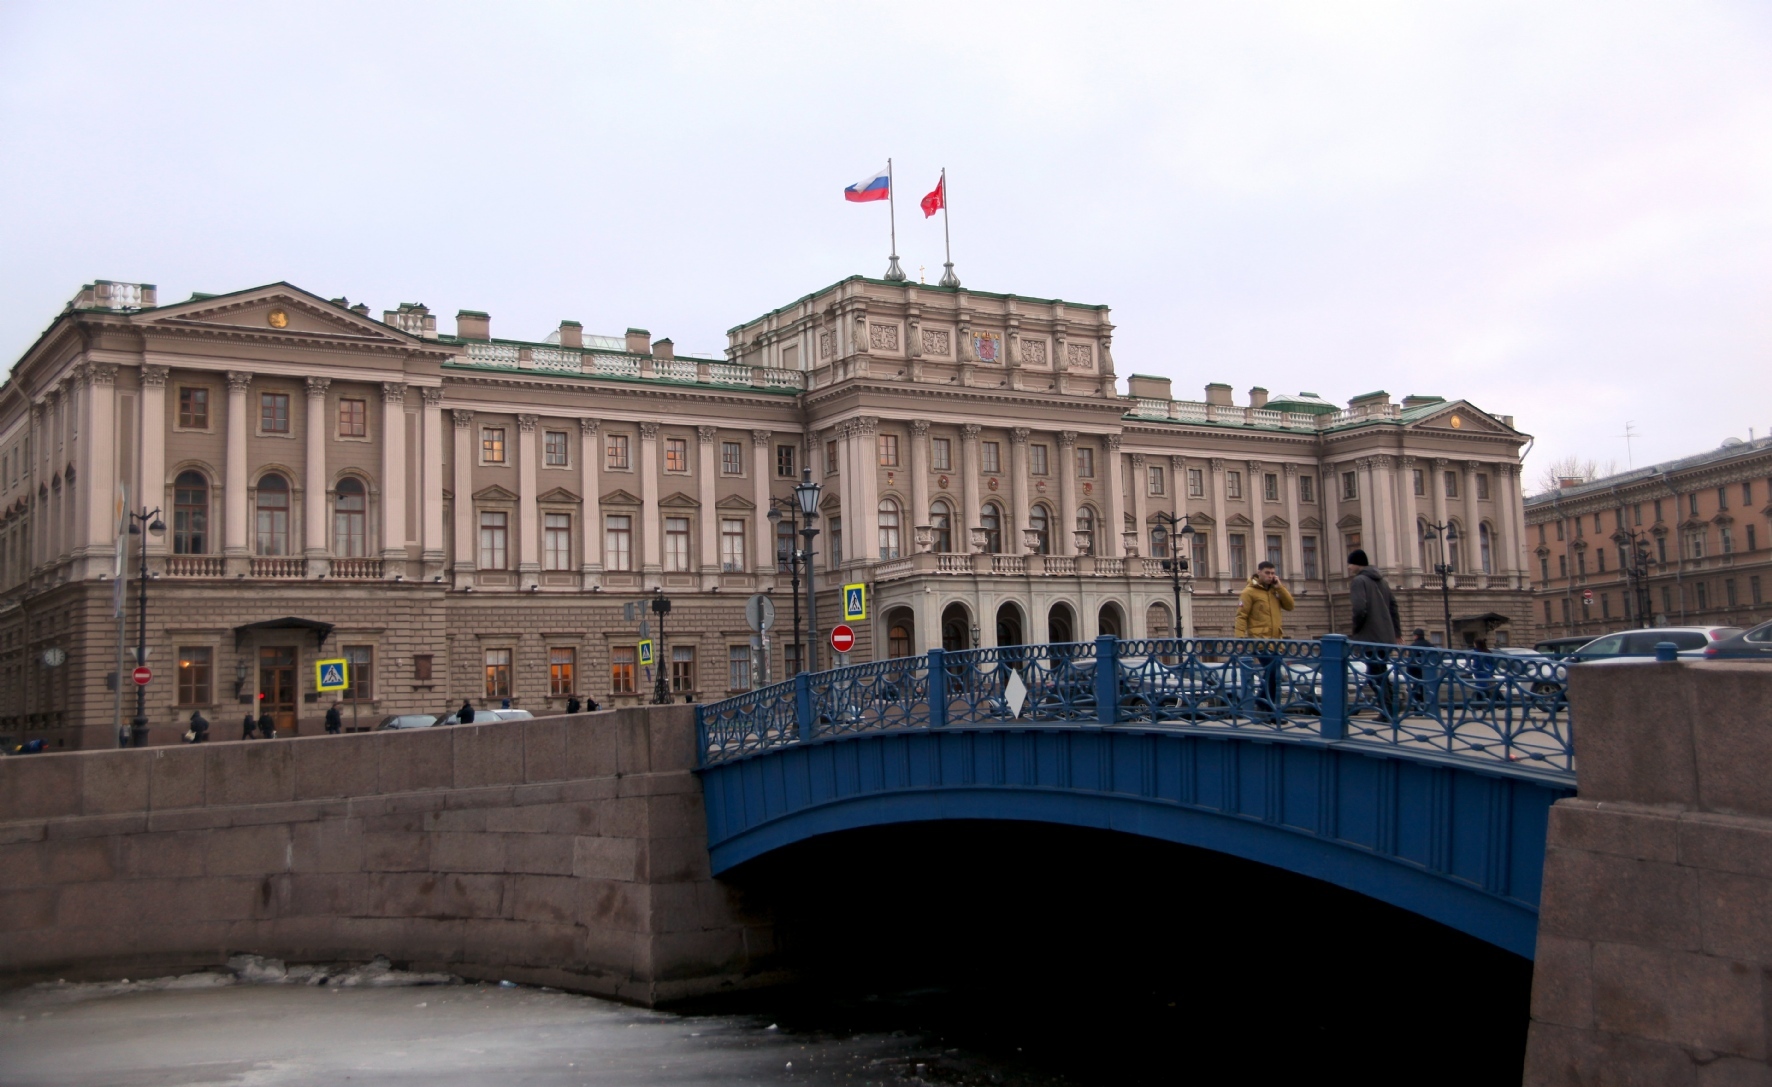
[(465, 715), (199, 727), (572, 704), (1375, 620), (335, 721), (248, 727), (267, 725)]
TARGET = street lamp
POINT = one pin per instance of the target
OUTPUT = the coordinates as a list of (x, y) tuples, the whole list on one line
[(1443, 535), (1165, 538), (138, 726), (806, 497), (661, 607), (791, 556), (1636, 571)]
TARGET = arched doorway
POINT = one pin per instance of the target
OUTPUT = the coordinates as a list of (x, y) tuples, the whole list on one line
[(1011, 630), (1061, 624), (956, 628), (1111, 620), (901, 626)]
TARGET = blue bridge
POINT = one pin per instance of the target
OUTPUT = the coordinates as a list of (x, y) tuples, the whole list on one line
[(1419, 777)]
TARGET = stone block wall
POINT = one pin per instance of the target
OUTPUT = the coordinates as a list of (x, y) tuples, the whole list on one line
[(568, 851), (1654, 957)]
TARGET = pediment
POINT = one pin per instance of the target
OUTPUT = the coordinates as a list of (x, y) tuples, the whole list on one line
[(1310, 522), (677, 500), (494, 493), (1275, 522), (1237, 520), (1348, 521), (1198, 519), (558, 495), (619, 497), (304, 316), (831, 506), (735, 502), (1471, 420)]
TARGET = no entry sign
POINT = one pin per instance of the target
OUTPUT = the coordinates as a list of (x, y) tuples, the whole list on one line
[(142, 675), (842, 638)]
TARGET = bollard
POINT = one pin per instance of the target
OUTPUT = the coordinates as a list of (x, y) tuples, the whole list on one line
[(1666, 652), (1107, 679), (938, 688), (1333, 720)]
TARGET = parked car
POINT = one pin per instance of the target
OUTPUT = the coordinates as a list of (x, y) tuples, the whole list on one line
[(486, 717), (1691, 642), (1752, 644), (1558, 648), (406, 720)]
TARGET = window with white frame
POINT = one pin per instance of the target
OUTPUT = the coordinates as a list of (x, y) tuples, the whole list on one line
[(557, 541), (1154, 480), (731, 459), (1233, 484), (738, 667), (889, 540), (676, 455), (992, 453), (732, 534), (618, 542), (554, 449), (1085, 462), (494, 539), (941, 454), (1196, 483), (888, 450), (1037, 459), (676, 541)]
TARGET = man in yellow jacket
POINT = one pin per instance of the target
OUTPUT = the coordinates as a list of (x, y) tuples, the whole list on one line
[(1258, 616)]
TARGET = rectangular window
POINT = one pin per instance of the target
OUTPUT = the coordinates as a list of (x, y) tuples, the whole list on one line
[(830, 458), (1085, 462), (1747, 493), (732, 546), (1270, 487), (193, 407), (1196, 483), (1605, 605), (731, 459), (1418, 478), (1722, 498), (1727, 539), (1544, 568), (1753, 589), (498, 673), (836, 544), (1581, 563), (1239, 558), (676, 541), (557, 541), (1657, 511), (562, 670), (738, 667), (360, 670), (615, 453), (1692, 503), (1600, 558), (1695, 545), (1661, 550), (785, 546), (1483, 486), (1037, 460), (1579, 531), (1729, 591), (1703, 596), (1559, 530), (682, 668), (492, 445), (1597, 528), (1451, 484), (790, 656), (1562, 565), (494, 539), (1307, 489), (1752, 543), (1636, 515), (1541, 535), (993, 456), (194, 675), (1350, 485), (618, 542), (1309, 545), (784, 461), (553, 446), (1547, 611), (273, 413), (676, 454), (1202, 555), (1233, 484), (353, 418), (421, 667), (888, 450), (1154, 484), (1274, 552), (941, 454), (621, 669)]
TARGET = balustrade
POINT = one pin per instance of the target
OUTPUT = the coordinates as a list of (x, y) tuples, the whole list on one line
[(356, 568), (502, 356), (559, 359), (277, 566), (194, 566), (1009, 564)]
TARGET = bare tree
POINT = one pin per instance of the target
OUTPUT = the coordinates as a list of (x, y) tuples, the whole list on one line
[(1573, 467)]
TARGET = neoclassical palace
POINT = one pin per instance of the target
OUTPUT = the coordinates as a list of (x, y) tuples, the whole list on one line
[(464, 516)]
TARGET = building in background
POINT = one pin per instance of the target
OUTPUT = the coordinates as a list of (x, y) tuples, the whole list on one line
[(463, 516), (1683, 543)]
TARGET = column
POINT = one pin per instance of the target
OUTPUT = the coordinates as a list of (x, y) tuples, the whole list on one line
[(1294, 531), (1018, 493), (1252, 473), (234, 490), (763, 562), (1141, 498), (1384, 500), (649, 528), (1369, 512), (464, 498), (1221, 536), (431, 536), (1334, 545), (393, 482), (150, 490), (846, 498), (1511, 543), (1436, 486), (867, 500), (918, 514), (528, 514), (1064, 533), (968, 486), (98, 475), (1116, 499), (1409, 536), (590, 459), (1473, 517), (707, 497), (314, 480)]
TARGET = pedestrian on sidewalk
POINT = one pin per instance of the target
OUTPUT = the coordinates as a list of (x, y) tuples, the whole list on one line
[(248, 727), (1375, 621), (572, 704), (335, 722), (465, 715), (199, 730), (267, 725), (1259, 616)]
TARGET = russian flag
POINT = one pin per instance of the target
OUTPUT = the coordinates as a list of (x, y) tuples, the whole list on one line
[(876, 187)]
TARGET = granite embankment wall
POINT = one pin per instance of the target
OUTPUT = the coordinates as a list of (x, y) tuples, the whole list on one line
[(1655, 931), (568, 851)]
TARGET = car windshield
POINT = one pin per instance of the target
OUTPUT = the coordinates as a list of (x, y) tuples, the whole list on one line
[(1761, 633)]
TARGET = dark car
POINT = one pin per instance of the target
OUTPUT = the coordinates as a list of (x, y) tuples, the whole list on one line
[(1752, 644), (1558, 648)]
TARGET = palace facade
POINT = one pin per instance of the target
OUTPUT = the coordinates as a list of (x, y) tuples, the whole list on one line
[(465, 516)]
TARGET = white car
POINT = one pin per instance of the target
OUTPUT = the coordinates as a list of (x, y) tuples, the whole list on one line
[(487, 717), (1625, 644)]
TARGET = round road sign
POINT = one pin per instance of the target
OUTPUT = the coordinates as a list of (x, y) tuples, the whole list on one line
[(842, 638), (142, 675)]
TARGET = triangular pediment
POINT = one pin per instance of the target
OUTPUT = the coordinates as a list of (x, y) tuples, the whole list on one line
[(1461, 417), (1274, 522), (1310, 522), (558, 495), (1237, 520), (832, 505), (275, 310), (619, 497), (679, 501), (1348, 521), (494, 493), (1198, 519), (735, 502)]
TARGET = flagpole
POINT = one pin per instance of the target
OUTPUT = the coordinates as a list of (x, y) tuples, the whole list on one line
[(893, 272), (948, 279)]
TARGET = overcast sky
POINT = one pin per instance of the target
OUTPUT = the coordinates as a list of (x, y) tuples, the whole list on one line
[(1558, 212)]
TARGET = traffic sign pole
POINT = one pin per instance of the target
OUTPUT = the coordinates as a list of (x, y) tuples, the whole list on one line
[(842, 638), (142, 675)]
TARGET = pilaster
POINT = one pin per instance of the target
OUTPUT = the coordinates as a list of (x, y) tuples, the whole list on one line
[(234, 491), (317, 561), (528, 513)]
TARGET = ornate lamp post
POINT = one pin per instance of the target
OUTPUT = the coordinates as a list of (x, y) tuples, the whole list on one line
[(661, 607), (791, 556), (1168, 540), (1443, 535), (1636, 571), (149, 520), (806, 495)]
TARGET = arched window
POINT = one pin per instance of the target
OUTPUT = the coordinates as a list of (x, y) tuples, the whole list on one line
[(1041, 522), (1110, 620), (190, 514), (1483, 541), (350, 517), (941, 519), (1086, 526), (888, 528), (273, 515), (1455, 547), (991, 520), (1421, 548)]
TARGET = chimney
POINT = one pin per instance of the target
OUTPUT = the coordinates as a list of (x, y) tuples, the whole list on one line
[(471, 324), (361, 309), (664, 349), (150, 296), (572, 334), (1258, 397), (1218, 393), (639, 341)]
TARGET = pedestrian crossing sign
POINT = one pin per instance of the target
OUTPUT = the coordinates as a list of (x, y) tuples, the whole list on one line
[(646, 652), (332, 675), (855, 603)]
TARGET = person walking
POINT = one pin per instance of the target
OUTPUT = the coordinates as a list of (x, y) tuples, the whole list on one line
[(335, 721), (1420, 664), (267, 725), (1375, 621), (572, 704), (465, 715), (249, 726), (1259, 616), (199, 731)]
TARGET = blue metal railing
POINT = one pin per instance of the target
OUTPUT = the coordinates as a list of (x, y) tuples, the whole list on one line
[(1485, 706)]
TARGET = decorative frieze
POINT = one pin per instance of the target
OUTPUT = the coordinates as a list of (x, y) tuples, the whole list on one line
[(1079, 356), (883, 337), (938, 341)]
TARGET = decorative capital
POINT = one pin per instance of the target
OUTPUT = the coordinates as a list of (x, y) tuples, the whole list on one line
[(1254, 468), (919, 428), (1138, 460), (1383, 460), (649, 430), (761, 438), (463, 418), (1407, 460), (154, 377), (432, 395), (1020, 435), (1067, 439), (1177, 462), (1291, 470), (393, 392), (707, 434), (1441, 462), (970, 432), (588, 427), (1217, 464), (1474, 465), (239, 381), (317, 387), (1364, 464), (527, 422), (101, 373), (867, 424), (1113, 443)]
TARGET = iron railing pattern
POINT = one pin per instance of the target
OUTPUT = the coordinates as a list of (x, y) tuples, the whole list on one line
[(1508, 712)]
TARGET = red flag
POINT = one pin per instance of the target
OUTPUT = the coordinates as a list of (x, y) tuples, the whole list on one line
[(937, 199)]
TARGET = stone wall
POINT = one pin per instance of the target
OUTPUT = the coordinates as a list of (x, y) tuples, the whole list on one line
[(568, 851), (1655, 937)]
